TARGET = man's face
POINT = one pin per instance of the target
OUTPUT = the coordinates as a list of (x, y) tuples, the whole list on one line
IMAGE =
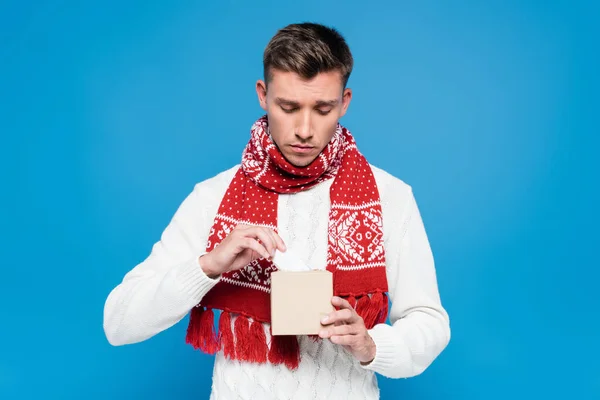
[(303, 114)]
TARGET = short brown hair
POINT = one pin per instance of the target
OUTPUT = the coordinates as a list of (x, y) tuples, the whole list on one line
[(307, 49)]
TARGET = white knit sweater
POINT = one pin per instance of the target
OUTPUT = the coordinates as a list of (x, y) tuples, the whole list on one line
[(160, 291)]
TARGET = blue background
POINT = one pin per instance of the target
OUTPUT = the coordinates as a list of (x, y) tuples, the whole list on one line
[(110, 112)]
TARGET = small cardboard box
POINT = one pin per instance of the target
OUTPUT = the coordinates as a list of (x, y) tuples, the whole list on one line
[(299, 300)]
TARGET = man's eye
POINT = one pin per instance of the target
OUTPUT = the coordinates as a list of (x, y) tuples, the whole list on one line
[(323, 112), (288, 110)]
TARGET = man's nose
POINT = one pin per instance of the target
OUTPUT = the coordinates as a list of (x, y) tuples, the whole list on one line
[(304, 129)]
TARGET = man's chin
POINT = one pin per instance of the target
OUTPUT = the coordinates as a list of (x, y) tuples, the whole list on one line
[(299, 162)]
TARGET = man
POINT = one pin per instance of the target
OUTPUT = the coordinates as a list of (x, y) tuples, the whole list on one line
[(303, 187)]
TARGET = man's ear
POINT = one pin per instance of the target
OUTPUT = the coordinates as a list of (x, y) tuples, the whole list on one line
[(261, 91), (346, 97)]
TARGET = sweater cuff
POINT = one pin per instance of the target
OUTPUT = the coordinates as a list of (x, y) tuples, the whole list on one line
[(194, 280), (386, 350)]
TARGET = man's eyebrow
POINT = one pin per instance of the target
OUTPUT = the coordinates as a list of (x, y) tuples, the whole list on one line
[(327, 103), (320, 103), (287, 102)]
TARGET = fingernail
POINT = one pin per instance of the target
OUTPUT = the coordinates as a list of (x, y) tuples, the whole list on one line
[(323, 333), (324, 320)]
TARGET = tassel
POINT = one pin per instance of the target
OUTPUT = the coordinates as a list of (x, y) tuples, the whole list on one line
[(193, 330), (201, 334), (361, 306), (258, 348), (208, 342), (275, 355), (374, 309), (242, 338), (369, 308), (226, 335), (352, 301), (285, 349)]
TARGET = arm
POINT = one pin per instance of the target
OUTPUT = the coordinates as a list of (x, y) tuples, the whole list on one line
[(420, 327), (162, 289)]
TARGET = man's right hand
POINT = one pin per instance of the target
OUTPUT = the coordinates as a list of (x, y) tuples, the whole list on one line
[(244, 244)]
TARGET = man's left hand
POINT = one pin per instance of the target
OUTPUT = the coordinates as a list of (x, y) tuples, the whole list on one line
[(345, 327)]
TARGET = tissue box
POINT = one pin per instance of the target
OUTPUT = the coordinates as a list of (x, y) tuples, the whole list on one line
[(299, 299)]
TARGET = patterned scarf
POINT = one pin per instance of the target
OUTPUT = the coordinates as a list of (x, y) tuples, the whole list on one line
[(355, 253)]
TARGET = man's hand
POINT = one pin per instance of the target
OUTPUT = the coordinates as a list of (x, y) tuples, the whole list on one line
[(347, 328), (243, 245)]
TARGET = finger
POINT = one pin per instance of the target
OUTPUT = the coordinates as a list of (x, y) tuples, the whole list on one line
[(339, 317), (341, 303), (263, 235), (274, 237), (280, 243), (250, 243), (340, 330), (345, 340)]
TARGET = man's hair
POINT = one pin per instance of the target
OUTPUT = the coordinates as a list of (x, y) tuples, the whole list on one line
[(308, 49)]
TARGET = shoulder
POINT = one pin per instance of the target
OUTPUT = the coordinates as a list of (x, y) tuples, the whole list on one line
[(217, 185), (391, 187), (396, 198)]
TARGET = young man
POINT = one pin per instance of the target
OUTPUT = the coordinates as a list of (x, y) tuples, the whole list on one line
[(302, 186)]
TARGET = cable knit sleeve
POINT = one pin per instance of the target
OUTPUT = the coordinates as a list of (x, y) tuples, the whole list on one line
[(420, 328), (162, 289)]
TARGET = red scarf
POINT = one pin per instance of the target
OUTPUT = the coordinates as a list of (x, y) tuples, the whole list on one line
[(355, 254)]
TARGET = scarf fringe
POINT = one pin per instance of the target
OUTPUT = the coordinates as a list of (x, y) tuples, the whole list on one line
[(247, 340), (201, 330), (242, 338), (258, 348), (352, 301), (373, 310), (285, 349), (226, 341)]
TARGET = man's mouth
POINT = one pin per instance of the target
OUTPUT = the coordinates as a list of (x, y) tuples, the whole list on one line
[(301, 148)]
